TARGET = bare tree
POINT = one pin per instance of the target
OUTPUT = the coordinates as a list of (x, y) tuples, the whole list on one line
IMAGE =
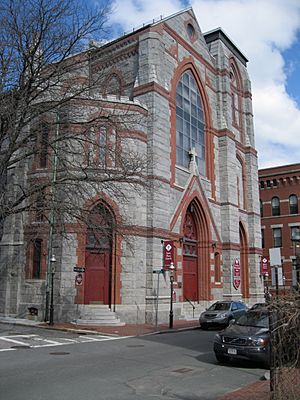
[(47, 118)]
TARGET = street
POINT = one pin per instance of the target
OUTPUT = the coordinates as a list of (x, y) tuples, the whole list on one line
[(59, 365)]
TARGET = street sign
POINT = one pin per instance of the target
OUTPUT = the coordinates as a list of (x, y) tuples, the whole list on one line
[(264, 266), (78, 279), (168, 253), (275, 256), (236, 273), (79, 269)]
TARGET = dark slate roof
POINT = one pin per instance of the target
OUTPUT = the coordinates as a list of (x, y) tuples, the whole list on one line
[(219, 34)]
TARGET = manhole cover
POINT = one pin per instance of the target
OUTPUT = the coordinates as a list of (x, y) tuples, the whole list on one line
[(20, 347), (135, 345), (59, 353), (182, 370)]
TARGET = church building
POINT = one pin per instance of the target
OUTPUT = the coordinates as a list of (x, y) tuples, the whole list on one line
[(195, 226)]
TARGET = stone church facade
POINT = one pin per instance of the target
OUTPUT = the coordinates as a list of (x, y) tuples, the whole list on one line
[(193, 94)]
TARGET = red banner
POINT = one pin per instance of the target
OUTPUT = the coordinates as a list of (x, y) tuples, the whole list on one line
[(236, 273), (168, 253), (264, 265)]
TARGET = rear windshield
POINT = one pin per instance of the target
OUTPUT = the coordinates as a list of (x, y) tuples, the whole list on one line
[(258, 319), (219, 307)]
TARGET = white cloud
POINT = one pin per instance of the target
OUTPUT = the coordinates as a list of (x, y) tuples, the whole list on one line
[(262, 29), (133, 13)]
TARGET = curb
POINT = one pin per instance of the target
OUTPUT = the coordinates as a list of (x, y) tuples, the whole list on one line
[(45, 326)]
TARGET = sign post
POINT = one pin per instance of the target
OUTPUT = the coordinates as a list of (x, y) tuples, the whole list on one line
[(168, 254), (264, 266), (275, 262)]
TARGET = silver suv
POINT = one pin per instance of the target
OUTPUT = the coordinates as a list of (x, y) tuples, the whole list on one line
[(221, 312)]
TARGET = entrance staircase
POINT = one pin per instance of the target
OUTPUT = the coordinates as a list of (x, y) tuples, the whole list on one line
[(191, 311), (97, 314)]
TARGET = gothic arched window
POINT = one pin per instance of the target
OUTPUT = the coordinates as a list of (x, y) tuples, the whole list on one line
[(189, 123)]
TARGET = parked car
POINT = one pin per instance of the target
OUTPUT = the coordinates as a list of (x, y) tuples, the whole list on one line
[(221, 312), (246, 338), (258, 306)]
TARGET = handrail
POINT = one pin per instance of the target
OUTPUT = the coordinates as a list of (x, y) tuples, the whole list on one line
[(189, 301)]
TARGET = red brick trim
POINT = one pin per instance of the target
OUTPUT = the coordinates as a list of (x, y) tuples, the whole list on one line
[(151, 87)]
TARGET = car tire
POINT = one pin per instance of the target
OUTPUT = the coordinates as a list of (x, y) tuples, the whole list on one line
[(204, 327), (222, 358)]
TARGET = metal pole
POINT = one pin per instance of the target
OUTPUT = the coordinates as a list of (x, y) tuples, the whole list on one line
[(51, 320), (157, 296), (276, 281), (51, 220), (171, 303)]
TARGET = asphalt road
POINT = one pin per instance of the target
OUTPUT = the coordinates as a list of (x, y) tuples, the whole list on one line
[(177, 365)]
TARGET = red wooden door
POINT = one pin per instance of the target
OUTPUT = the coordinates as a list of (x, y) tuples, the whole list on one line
[(190, 258), (96, 287)]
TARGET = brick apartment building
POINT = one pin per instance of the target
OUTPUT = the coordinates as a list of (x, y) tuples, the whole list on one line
[(280, 219)]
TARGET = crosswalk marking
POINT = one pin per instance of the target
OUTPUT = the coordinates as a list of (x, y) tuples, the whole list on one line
[(36, 341), (11, 340)]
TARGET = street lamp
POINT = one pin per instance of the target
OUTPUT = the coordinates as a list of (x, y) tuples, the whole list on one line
[(52, 261), (172, 269)]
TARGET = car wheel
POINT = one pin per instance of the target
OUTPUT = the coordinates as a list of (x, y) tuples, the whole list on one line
[(204, 327), (222, 358)]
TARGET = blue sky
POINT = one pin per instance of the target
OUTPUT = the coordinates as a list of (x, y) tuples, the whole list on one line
[(268, 33)]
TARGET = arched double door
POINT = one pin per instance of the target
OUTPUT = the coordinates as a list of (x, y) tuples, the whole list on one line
[(190, 257), (196, 254), (98, 257)]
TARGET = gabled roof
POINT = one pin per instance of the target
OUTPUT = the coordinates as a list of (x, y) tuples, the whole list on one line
[(219, 34)]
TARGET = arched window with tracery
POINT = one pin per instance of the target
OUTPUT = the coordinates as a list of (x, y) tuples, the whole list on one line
[(189, 123)]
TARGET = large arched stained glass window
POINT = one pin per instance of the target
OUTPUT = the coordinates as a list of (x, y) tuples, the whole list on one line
[(189, 123)]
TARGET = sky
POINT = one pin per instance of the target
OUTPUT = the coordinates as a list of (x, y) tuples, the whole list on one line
[(268, 33)]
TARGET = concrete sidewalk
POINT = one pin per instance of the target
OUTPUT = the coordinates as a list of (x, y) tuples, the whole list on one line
[(259, 390)]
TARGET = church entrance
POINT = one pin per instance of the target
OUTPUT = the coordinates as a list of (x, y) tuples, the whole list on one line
[(98, 266), (190, 257)]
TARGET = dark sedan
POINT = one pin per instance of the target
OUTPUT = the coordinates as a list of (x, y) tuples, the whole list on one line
[(247, 338)]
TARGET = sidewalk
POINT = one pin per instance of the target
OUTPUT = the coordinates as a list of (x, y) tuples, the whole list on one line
[(125, 330), (259, 390)]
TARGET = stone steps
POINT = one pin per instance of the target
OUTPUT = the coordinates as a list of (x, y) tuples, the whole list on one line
[(95, 314)]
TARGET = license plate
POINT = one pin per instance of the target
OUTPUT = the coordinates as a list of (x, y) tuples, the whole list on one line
[(232, 351)]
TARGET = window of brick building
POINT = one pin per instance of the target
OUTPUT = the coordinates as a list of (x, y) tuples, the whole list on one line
[(277, 237), (275, 206), (295, 233), (261, 208), (293, 201), (263, 238)]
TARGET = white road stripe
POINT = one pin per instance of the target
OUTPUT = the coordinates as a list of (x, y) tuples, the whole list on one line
[(53, 343), (18, 336), (8, 349), (6, 339)]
